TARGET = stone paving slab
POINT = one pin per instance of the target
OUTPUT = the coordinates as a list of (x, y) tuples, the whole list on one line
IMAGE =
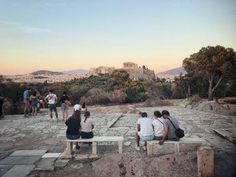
[(20, 160), (46, 164), (19, 171), (61, 163), (4, 169), (51, 155), (29, 153)]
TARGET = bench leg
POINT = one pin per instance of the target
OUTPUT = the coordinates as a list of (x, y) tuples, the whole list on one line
[(68, 151), (149, 149), (94, 148), (120, 147)]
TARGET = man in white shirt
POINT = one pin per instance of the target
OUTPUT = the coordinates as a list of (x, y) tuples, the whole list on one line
[(158, 125), (144, 130), (51, 98)]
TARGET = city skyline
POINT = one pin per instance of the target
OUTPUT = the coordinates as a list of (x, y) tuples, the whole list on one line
[(61, 35)]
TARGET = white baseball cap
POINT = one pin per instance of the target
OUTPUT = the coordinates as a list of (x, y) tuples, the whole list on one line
[(77, 107)]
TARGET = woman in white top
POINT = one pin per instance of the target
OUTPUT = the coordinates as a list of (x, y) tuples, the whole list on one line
[(87, 126), (158, 125)]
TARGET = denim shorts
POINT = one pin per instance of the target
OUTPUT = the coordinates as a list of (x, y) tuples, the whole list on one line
[(73, 137), (145, 137), (64, 106)]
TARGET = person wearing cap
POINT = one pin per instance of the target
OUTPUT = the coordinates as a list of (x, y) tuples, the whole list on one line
[(73, 125)]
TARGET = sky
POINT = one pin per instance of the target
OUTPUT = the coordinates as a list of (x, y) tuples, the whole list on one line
[(61, 35)]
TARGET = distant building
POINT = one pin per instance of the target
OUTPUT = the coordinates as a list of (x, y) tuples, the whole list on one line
[(136, 72), (130, 65), (102, 70)]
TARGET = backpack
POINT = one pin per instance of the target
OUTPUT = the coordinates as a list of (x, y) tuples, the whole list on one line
[(178, 131)]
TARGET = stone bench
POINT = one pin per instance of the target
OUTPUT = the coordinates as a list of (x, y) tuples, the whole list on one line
[(169, 147), (68, 152)]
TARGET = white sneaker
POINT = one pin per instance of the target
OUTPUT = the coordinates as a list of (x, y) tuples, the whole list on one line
[(137, 148)]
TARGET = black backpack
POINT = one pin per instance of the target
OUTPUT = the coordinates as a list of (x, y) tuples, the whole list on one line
[(178, 131)]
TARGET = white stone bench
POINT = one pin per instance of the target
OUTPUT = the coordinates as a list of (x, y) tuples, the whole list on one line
[(68, 152), (169, 147)]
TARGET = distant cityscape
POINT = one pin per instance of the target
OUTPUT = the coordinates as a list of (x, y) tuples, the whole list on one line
[(135, 72)]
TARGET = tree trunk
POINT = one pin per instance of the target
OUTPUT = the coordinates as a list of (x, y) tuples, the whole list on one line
[(210, 94), (210, 91)]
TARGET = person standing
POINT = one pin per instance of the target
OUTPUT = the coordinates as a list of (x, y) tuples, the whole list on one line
[(1, 105), (64, 105), (51, 98), (34, 103), (26, 100), (144, 130)]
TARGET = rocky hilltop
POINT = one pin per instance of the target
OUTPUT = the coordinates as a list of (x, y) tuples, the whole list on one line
[(46, 72)]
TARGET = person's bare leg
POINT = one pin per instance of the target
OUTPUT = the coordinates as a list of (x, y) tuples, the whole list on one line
[(66, 114), (51, 114), (56, 114), (36, 111), (63, 114), (28, 107), (137, 139), (25, 108)]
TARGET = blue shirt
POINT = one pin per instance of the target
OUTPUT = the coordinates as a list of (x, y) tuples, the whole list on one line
[(26, 94)]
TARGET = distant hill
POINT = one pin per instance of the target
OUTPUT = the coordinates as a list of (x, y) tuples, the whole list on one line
[(76, 71), (46, 72), (172, 73), (175, 71)]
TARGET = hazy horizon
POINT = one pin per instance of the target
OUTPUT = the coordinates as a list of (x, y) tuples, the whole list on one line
[(61, 35)]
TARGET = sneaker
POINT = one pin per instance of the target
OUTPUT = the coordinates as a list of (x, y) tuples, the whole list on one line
[(137, 148), (144, 148), (77, 147)]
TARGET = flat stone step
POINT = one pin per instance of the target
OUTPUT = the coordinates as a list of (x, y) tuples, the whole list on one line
[(46, 164), (20, 160), (29, 152), (225, 134), (19, 171), (51, 155)]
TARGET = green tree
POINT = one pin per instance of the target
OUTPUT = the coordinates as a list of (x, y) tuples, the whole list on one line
[(213, 64)]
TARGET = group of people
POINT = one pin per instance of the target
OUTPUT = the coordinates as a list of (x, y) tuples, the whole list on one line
[(31, 102), (162, 127), (79, 127)]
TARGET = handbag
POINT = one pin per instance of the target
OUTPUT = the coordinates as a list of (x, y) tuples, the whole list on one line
[(178, 131)]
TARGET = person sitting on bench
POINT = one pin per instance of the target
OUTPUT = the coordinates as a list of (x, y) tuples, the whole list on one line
[(73, 125), (144, 130), (87, 126), (170, 125)]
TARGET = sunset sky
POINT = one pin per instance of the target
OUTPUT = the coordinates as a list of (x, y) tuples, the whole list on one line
[(62, 35)]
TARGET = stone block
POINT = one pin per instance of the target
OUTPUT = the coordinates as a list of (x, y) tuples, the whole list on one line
[(205, 161), (61, 163), (19, 171), (29, 153), (46, 164), (153, 148), (20, 160), (51, 155), (188, 147), (4, 169), (81, 157)]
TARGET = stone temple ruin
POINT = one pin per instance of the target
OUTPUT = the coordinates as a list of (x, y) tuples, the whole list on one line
[(135, 72)]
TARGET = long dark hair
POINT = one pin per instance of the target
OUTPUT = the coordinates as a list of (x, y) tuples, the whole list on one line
[(86, 115)]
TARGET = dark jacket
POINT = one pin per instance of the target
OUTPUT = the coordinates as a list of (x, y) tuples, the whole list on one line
[(73, 124)]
